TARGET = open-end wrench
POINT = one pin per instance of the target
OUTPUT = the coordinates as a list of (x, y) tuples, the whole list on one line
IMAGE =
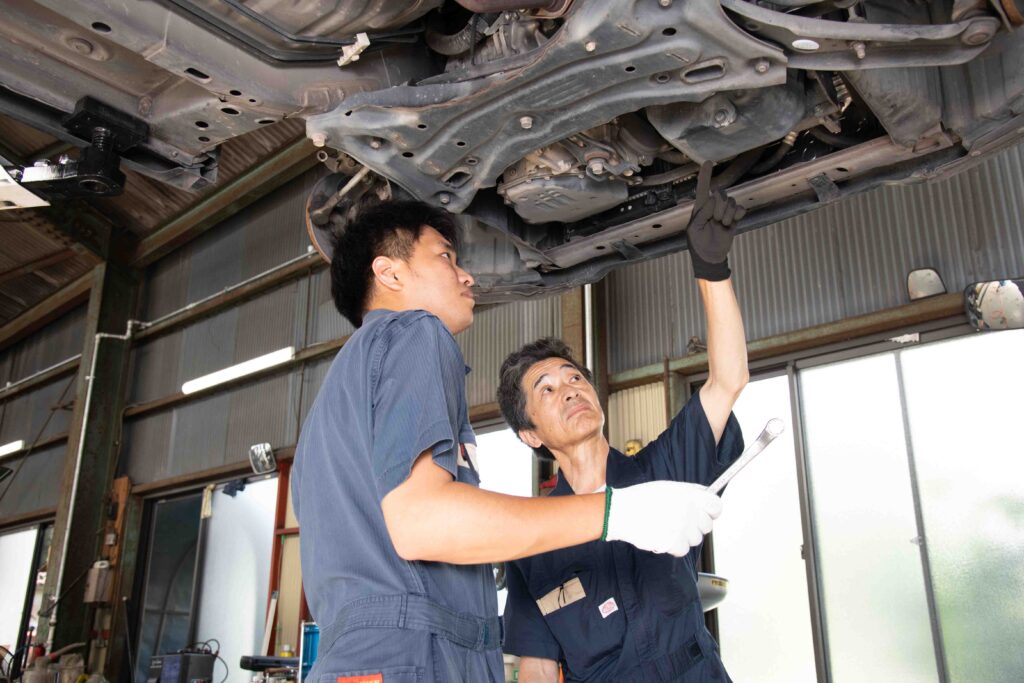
[(768, 434)]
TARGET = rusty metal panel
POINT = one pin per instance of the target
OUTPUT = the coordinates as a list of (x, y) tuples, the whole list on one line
[(498, 331), (637, 413), (844, 260), (37, 486)]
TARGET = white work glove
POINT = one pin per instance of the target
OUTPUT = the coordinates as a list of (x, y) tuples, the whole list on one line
[(662, 516)]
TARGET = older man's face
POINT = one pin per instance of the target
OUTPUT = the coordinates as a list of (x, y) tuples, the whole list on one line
[(562, 405)]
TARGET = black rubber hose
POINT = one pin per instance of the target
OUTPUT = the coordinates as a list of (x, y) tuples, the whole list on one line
[(774, 160), (670, 176), (828, 138), (736, 170), (456, 43), (673, 156)]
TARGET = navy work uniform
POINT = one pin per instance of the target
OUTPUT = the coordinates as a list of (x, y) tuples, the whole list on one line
[(395, 390), (611, 612)]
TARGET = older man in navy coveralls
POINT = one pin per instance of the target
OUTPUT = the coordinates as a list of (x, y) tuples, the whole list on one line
[(609, 611), (395, 533)]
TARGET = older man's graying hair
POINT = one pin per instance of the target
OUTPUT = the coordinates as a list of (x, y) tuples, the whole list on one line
[(511, 397)]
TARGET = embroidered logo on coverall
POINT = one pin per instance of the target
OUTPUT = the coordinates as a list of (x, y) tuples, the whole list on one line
[(608, 607), (365, 678)]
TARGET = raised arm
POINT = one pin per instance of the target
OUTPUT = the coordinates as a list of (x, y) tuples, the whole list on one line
[(727, 353), (710, 236)]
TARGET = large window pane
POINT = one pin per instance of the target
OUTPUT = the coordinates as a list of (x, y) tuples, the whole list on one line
[(764, 623), (235, 573), (963, 401), (16, 550), (170, 573), (505, 462), (506, 466), (875, 605)]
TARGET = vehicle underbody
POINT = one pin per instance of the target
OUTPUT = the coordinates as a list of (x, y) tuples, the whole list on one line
[(565, 133)]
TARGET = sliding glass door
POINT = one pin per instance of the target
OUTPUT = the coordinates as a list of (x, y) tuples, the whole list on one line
[(915, 462)]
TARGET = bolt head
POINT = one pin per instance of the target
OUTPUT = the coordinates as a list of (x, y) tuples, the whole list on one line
[(319, 139), (445, 198), (762, 66), (596, 167), (375, 143), (590, 46), (665, 3), (978, 36), (526, 122)]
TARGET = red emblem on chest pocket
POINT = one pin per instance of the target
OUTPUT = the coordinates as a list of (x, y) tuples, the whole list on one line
[(365, 678)]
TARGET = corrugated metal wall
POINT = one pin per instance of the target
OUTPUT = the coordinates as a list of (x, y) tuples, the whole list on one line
[(38, 484), (637, 413), (219, 429), (259, 237), (56, 342), (844, 260), (24, 416), (498, 331)]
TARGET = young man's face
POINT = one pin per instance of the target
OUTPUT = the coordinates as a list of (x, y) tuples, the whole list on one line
[(562, 405), (437, 284)]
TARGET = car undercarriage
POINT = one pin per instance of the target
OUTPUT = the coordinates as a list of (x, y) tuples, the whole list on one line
[(566, 134)]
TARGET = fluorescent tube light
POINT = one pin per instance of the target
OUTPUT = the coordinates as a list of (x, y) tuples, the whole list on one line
[(12, 447), (240, 370)]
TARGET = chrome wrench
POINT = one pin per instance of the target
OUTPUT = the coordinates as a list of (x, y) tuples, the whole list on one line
[(771, 430)]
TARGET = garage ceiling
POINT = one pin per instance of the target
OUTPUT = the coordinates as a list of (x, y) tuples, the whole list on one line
[(45, 250)]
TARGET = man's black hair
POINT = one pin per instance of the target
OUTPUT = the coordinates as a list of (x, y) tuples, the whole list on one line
[(386, 229), (512, 398)]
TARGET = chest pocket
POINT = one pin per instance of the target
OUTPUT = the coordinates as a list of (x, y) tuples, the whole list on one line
[(582, 608)]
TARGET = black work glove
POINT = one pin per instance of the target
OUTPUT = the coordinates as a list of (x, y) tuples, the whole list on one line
[(710, 230)]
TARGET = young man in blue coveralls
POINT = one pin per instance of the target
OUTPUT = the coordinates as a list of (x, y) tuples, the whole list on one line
[(395, 533), (609, 611)]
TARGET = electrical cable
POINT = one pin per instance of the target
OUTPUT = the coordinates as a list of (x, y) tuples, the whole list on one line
[(227, 671), (39, 435), (53, 605), (204, 647), (841, 141)]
